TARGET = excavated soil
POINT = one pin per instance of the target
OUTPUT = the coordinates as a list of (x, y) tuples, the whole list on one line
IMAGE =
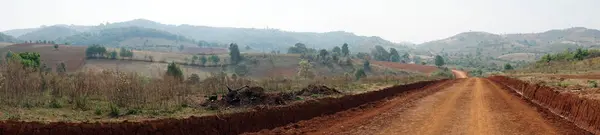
[(584, 112), (227, 124)]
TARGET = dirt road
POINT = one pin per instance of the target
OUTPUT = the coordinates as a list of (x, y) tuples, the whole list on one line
[(464, 106)]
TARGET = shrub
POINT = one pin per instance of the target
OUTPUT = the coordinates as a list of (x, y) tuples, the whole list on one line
[(593, 84), (360, 73), (98, 111), (55, 104), (114, 111)]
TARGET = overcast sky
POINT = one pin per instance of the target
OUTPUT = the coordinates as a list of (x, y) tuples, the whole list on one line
[(395, 20)]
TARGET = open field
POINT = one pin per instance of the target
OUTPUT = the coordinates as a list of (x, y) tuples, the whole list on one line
[(4, 44), (150, 69), (72, 56), (409, 67)]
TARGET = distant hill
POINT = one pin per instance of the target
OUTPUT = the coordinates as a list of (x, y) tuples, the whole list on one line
[(259, 39), (48, 33), (19, 32), (7, 38), (497, 45), (134, 37)]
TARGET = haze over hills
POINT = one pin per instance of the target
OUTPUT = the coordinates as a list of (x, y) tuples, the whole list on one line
[(262, 39), (7, 38), (496, 45)]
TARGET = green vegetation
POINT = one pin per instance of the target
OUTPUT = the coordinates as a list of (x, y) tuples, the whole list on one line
[(203, 60), (394, 56), (360, 73), (305, 69), (439, 61), (126, 53), (444, 72), (174, 70), (568, 55), (507, 66), (234, 54), (27, 59), (95, 51), (214, 59), (345, 50)]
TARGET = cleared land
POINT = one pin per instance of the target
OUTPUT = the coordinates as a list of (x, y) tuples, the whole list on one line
[(409, 67), (72, 56)]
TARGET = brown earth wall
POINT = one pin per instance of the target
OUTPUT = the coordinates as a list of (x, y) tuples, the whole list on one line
[(226, 124), (583, 112)]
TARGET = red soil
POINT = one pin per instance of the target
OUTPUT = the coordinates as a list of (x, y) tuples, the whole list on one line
[(584, 112)]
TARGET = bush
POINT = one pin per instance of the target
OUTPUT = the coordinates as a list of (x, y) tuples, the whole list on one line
[(593, 84), (55, 104), (98, 111), (443, 72), (360, 73), (114, 111)]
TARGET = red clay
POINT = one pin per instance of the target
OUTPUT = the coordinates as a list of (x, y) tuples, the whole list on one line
[(409, 67), (584, 112)]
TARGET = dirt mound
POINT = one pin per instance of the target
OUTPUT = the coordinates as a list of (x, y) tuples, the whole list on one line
[(248, 96), (582, 111), (317, 89)]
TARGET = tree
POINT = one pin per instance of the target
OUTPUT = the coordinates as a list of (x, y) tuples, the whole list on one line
[(234, 53), (174, 71), (394, 56), (580, 54), (367, 66), (439, 61), (336, 50), (323, 53), (55, 46), (507, 66), (126, 53), (30, 59), (194, 59), (298, 48), (345, 51), (360, 73), (61, 68), (406, 57), (203, 60), (215, 59), (416, 60), (95, 51), (113, 55), (304, 69), (194, 78), (380, 54)]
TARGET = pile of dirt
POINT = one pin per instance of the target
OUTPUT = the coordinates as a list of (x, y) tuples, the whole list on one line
[(317, 89), (248, 96)]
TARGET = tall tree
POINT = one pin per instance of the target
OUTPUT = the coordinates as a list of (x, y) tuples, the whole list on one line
[(345, 50), (380, 54), (203, 60), (174, 71), (323, 53), (439, 61), (234, 53), (394, 56), (304, 69), (337, 50)]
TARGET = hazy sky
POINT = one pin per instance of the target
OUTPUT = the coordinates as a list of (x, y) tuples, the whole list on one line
[(395, 20)]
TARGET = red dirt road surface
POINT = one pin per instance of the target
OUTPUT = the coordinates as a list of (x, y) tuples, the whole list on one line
[(474, 106)]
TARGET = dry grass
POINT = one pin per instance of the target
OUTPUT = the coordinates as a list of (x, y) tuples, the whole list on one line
[(26, 94)]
